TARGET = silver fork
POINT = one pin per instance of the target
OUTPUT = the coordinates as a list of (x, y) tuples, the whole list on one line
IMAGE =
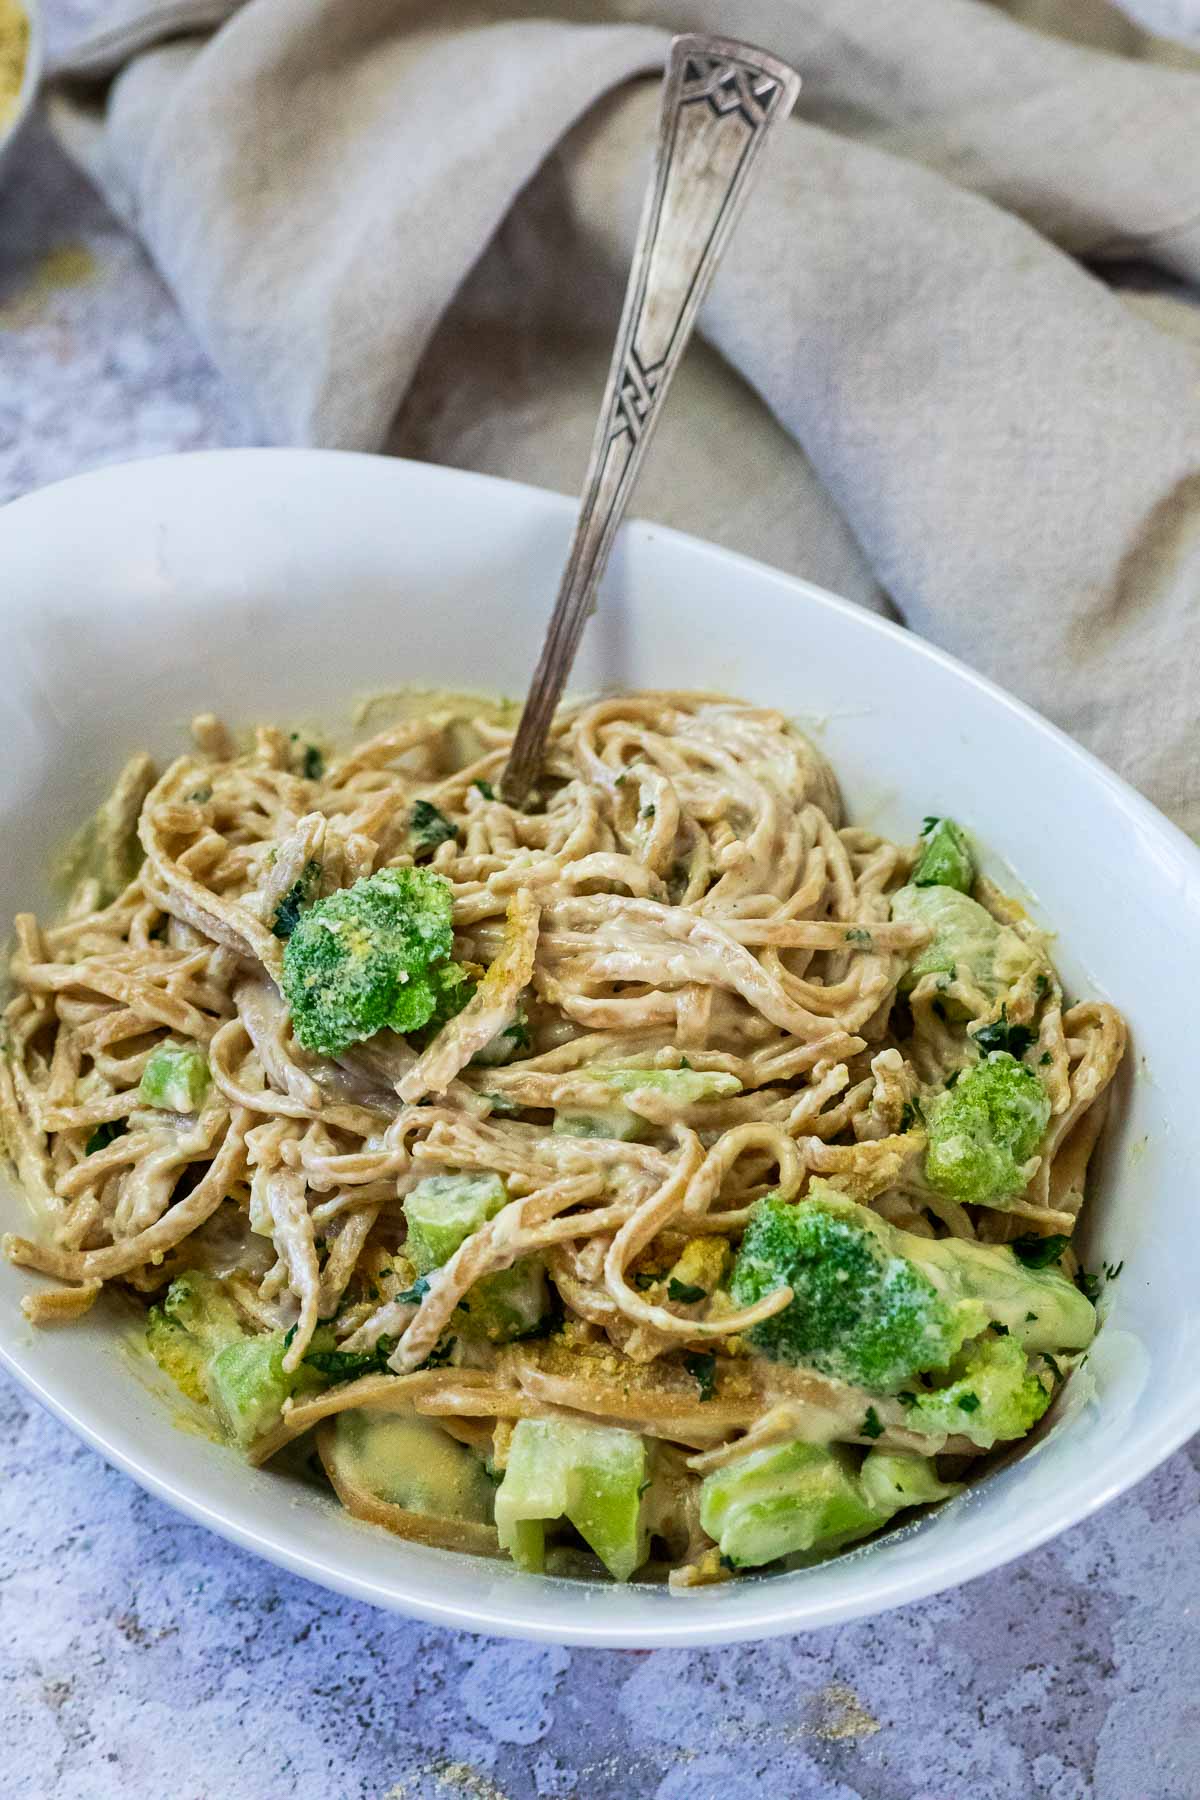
[(721, 101)]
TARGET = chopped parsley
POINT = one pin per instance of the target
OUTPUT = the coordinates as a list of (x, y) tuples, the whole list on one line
[(906, 1399), (871, 1426), (344, 1365), (929, 824), (287, 913), (414, 1295), (645, 1278), (440, 1354), (1031, 1318), (1042, 986), (105, 1134), (856, 935), (911, 1114), (1000, 1330), (685, 1292), (1039, 1252), (429, 826), (648, 812), (969, 1402), (1052, 1365), (951, 1078), (1000, 1035), (485, 788), (701, 1365), (1112, 1270), (1045, 1059), (202, 795), (1090, 1285), (314, 763)]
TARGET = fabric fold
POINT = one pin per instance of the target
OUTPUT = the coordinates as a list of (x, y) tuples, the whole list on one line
[(397, 223)]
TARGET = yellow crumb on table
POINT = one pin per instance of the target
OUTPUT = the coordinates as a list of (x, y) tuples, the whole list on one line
[(14, 46)]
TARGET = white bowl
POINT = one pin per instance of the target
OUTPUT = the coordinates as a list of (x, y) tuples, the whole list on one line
[(29, 81), (277, 584)]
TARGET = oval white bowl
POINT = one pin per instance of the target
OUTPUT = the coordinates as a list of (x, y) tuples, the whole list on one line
[(280, 584)]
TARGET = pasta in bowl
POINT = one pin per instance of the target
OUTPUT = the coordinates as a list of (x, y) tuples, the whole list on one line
[(663, 1181)]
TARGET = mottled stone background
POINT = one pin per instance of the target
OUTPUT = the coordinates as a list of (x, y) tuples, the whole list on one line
[(140, 1656)]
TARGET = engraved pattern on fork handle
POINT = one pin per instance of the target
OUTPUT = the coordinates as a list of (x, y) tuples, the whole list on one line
[(721, 100)]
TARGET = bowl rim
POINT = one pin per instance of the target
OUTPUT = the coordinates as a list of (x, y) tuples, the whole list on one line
[(1179, 1413), (31, 75)]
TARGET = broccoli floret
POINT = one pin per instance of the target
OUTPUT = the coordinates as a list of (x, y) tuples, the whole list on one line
[(366, 958), (682, 1086), (809, 1498), (876, 1306), (991, 1396), (593, 1475), (198, 1338), (984, 1130), (862, 1310), (967, 942), (946, 859), (176, 1078)]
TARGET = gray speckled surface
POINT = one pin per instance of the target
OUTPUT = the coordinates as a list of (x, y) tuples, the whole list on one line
[(126, 1633)]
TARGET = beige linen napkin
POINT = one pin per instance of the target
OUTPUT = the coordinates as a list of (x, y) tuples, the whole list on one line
[(405, 223)]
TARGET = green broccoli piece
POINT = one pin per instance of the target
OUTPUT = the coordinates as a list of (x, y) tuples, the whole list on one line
[(366, 958), (946, 859), (592, 1475), (991, 1396), (298, 896), (967, 942), (193, 1321), (198, 1338), (683, 1086), (983, 1131), (176, 1078), (876, 1306), (410, 1463), (1039, 1307), (442, 1212), (862, 1311), (810, 1499)]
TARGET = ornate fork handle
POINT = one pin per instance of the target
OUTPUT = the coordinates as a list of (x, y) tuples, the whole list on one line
[(721, 100)]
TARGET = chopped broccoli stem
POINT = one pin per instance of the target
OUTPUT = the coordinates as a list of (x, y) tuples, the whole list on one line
[(443, 1210), (176, 1078), (198, 1338), (684, 1087), (800, 1498), (967, 942), (592, 1475), (982, 1133), (366, 958), (946, 859)]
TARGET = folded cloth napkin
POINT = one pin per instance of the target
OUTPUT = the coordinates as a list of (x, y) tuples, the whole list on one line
[(402, 224)]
